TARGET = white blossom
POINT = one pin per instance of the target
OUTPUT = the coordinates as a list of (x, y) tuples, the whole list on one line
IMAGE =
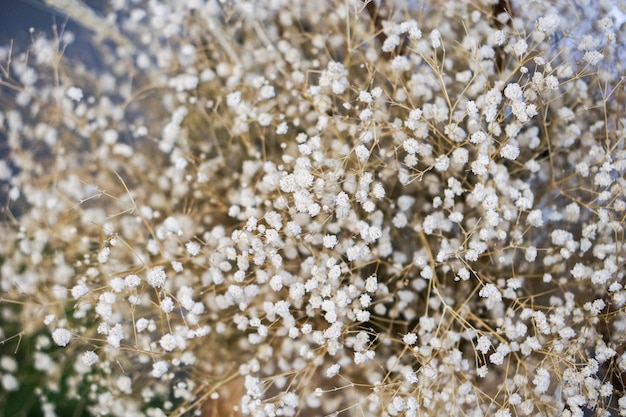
[(61, 336), (156, 277)]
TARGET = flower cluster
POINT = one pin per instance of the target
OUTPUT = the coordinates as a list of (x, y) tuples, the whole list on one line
[(274, 209)]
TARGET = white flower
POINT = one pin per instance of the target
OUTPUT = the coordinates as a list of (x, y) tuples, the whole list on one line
[(460, 156), (551, 82), (411, 146), (503, 412), (61, 336), (561, 237), (535, 218), (371, 284), (520, 47), (361, 357), (10, 383), (159, 369), (499, 38), (74, 93), (332, 370), (132, 281), (117, 284), (167, 305), (593, 57), (362, 153), (513, 91), (233, 99), (156, 277), (142, 324), (293, 229), (282, 128), (168, 342), (79, 290), (548, 24), (530, 254), (497, 358), (266, 92), (89, 358), (478, 137), (482, 371), (124, 384), (510, 151), (491, 292), (435, 38), (329, 241), (379, 191), (365, 97), (541, 380), (193, 248), (411, 28), (103, 255), (483, 344), (265, 119), (409, 338), (276, 283), (391, 42), (115, 336), (442, 163)]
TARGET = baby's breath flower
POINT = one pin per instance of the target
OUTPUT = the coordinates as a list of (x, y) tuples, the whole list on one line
[(156, 277), (193, 248), (115, 336), (362, 153), (168, 342), (513, 91), (435, 38), (117, 284), (478, 137), (510, 151), (535, 218), (89, 358), (593, 57), (490, 291), (409, 338), (74, 93), (159, 369), (167, 305), (79, 290), (541, 380), (499, 38), (61, 336), (233, 99), (332, 370), (519, 47), (132, 281)]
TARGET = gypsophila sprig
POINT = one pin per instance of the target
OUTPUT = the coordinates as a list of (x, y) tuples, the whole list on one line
[(299, 208)]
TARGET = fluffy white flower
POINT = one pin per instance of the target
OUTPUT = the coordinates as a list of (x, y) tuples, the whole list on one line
[(510, 151), (89, 358), (61, 336), (79, 290), (409, 338), (362, 153), (541, 380), (168, 342), (435, 38), (74, 93), (156, 277), (159, 369), (332, 370)]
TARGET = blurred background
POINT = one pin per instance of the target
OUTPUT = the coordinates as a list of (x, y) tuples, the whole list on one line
[(18, 16)]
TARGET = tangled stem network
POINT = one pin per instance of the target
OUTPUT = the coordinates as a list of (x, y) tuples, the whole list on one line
[(283, 208)]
